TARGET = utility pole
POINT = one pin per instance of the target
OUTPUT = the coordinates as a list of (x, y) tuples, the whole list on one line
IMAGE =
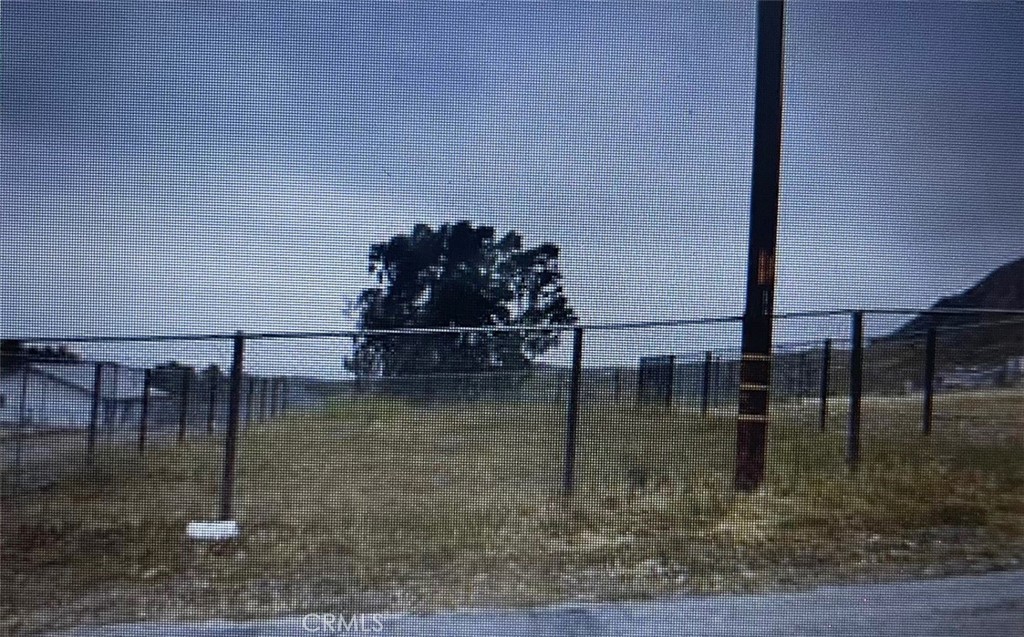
[(755, 369)]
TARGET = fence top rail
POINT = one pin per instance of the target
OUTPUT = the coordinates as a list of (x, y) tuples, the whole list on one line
[(356, 333), (409, 331)]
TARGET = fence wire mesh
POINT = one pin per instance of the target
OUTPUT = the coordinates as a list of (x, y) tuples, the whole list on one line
[(441, 393)]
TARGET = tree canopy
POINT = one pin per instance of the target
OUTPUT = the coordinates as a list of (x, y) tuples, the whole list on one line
[(458, 275), (14, 354)]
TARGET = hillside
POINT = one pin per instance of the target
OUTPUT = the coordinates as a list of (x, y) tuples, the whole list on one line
[(968, 340), (1003, 289)]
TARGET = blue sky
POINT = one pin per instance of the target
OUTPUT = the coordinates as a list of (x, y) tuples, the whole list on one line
[(170, 167)]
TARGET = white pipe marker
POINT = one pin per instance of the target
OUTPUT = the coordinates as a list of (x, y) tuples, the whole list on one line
[(214, 531)]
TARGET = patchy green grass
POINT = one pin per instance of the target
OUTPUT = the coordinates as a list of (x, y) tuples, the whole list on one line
[(397, 506)]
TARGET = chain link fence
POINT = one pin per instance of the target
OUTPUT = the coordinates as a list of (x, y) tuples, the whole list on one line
[(961, 370)]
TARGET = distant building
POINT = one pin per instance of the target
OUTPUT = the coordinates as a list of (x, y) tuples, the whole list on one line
[(978, 377), (971, 378), (60, 395), (1005, 375)]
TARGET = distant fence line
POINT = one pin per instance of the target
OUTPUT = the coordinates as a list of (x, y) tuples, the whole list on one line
[(797, 364), (112, 396)]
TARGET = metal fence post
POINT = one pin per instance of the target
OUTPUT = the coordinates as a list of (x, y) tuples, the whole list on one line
[(186, 381), (671, 380), (272, 400), (803, 374), (716, 389), (94, 415), (268, 388), (929, 382), (705, 388), (271, 396), (263, 399), (22, 409), (147, 382), (856, 381), (269, 384), (110, 409), (251, 385), (276, 396), (211, 413), (826, 361), (639, 383), (572, 412), (231, 433)]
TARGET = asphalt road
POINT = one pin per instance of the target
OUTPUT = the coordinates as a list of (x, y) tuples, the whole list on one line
[(984, 605)]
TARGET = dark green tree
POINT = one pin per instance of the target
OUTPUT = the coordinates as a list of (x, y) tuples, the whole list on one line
[(170, 376), (458, 276), (14, 354)]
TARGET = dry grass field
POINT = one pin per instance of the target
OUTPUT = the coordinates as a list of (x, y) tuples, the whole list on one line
[(372, 505)]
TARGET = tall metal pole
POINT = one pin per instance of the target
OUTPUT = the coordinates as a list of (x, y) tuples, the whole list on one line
[(572, 413), (755, 371), (231, 433)]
